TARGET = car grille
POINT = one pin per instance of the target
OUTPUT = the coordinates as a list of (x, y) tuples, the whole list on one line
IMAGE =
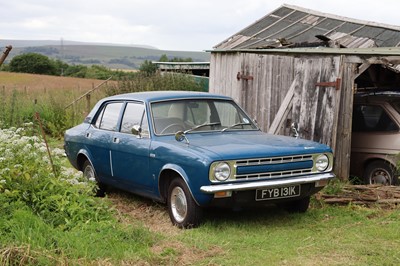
[(274, 167)]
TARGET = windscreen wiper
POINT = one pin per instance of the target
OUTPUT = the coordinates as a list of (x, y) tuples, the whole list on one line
[(202, 125), (235, 125)]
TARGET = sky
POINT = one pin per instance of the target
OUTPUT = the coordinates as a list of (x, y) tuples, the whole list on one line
[(181, 25)]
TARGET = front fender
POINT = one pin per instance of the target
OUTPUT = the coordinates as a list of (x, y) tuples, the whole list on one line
[(199, 197)]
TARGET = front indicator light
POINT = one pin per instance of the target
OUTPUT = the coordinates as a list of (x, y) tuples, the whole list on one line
[(222, 194)]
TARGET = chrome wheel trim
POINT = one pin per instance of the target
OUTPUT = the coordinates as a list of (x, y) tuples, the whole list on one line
[(88, 173), (380, 176), (179, 205)]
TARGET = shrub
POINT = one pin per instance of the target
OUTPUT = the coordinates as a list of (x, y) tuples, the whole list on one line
[(33, 63), (27, 181)]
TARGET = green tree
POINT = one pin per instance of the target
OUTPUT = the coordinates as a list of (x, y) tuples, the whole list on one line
[(60, 67), (78, 71), (164, 58), (33, 63), (147, 67)]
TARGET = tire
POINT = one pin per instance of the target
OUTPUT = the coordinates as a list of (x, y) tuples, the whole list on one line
[(182, 209), (298, 206), (90, 174), (380, 172)]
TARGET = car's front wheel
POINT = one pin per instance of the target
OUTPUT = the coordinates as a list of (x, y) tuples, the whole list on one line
[(183, 210), (90, 174), (380, 172)]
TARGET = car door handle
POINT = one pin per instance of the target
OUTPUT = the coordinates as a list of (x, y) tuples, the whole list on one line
[(116, 140), (88, 135)]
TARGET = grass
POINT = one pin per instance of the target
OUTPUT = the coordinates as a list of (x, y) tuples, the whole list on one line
[(22, 95), (324, 235)]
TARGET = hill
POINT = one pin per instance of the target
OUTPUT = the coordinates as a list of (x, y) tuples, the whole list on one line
[(109, 55)]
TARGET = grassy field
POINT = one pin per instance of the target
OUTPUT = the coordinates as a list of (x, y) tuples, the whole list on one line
[(47, 221), (22, 95), (117, 57)]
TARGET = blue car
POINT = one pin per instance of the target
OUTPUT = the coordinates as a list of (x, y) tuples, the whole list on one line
[(194, 150)]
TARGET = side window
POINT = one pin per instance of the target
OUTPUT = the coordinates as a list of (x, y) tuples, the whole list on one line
[(108, 118), (134, 115), (372, 118)]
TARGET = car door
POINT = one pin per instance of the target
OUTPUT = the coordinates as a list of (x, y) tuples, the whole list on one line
[(130, 150), (99, 136)]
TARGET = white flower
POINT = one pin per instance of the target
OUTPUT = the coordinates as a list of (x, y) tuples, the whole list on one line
[(17, 166)]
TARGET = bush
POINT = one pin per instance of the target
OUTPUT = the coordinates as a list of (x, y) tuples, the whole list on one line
[(156, 82), (51, 217), (58, 195), (33, 63)]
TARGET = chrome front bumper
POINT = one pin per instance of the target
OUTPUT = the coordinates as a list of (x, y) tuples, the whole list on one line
[(316, 178)]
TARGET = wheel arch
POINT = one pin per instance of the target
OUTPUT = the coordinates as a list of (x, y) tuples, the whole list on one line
[(377, 159), (81, 158), (167, 174)]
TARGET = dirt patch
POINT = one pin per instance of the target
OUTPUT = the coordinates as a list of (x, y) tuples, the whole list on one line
[(152, 215), (170, 250)]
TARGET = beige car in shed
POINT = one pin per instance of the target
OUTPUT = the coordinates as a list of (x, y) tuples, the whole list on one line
[(376, 138)]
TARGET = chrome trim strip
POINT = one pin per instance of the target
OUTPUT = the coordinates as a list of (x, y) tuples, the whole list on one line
[(267, 184), (111, 165)]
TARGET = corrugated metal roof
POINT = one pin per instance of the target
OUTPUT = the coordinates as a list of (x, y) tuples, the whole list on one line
[(289, 25), (375, 51)]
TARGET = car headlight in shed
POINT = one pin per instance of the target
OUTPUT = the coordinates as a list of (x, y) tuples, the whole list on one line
[(222, 171), (322, 162)]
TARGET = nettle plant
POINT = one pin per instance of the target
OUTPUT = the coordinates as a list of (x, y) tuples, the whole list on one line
[(59, 195)]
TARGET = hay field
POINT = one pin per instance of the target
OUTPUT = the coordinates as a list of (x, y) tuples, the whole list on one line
[(23, 95), (37, 84)]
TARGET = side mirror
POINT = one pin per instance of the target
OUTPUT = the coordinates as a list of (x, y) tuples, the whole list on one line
[(295, 129), (137, 130), (180, 136)]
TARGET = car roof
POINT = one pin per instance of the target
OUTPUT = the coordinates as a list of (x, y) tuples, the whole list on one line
[(154, 96), (377, 96)]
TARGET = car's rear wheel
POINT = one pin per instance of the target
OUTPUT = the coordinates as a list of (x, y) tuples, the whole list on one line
[(182, 209), (380, 172), (90, 174), (297, 206)]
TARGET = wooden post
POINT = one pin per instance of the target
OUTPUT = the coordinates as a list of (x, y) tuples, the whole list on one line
[(88, 103)]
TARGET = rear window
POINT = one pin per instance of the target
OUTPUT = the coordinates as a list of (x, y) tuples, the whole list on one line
[(108, 117)]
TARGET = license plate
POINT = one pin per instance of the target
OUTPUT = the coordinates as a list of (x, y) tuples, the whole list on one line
[(277, 193)]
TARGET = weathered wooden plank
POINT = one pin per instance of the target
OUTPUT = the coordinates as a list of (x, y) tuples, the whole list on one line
[(343, 147), (361, 69), (283, 110)]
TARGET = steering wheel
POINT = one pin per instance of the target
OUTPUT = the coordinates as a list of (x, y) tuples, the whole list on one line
[(171, 126)]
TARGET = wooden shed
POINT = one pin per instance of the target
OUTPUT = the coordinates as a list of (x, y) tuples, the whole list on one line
[(280, 72)]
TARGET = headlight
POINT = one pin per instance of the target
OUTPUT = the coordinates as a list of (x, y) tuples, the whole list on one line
[(322, 162), (222, 171)]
